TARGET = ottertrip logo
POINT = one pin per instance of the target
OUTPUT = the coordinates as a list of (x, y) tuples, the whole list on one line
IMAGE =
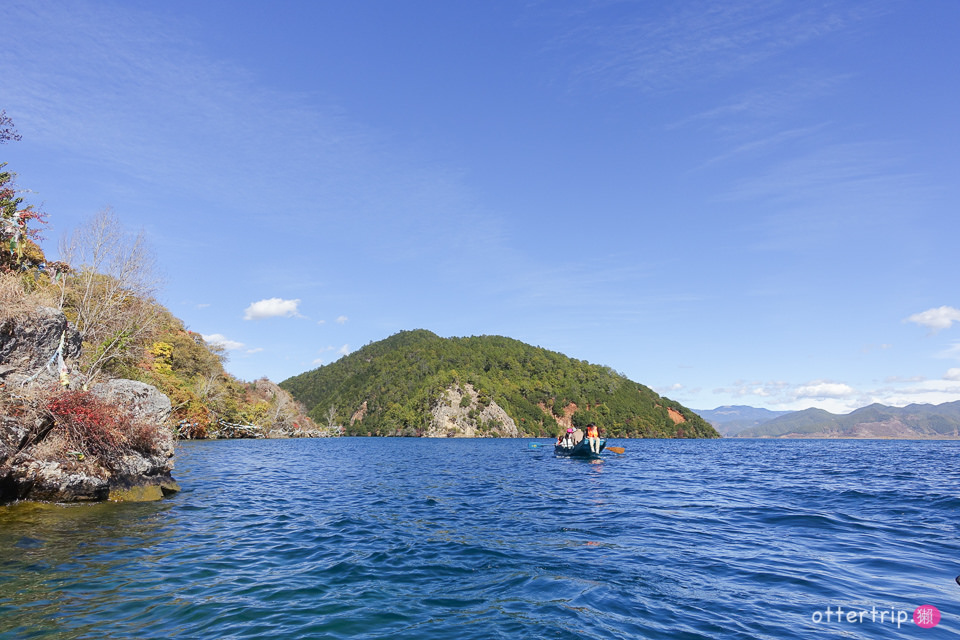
[(925, 616)]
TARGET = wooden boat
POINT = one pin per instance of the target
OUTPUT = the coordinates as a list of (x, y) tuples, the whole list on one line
[(577, 446)]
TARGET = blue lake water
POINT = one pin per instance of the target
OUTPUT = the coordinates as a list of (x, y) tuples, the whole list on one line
[(462, 539)]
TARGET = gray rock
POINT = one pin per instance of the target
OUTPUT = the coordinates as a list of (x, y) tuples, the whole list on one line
[(27, 344), (451, 420), (50, 481), (32, 470), (26, 474), (146, 404), (145, 401)]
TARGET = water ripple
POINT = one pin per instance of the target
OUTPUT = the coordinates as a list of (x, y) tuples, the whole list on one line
[(384, 538)]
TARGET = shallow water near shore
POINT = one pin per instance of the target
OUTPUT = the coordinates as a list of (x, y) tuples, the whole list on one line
[(462, 539)]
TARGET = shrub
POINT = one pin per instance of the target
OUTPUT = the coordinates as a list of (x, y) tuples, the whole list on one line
[(100, 428)]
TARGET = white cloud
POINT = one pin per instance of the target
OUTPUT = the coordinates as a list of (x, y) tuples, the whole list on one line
[(255, 350), (936, 319), (342, 319), (272, 308), (841, 398), (321, 322), (203, 305), (342, 351), (222, 341), (673, 388), (822, 389)]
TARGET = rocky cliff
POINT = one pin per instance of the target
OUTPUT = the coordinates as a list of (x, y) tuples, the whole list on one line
[(66, 445), (461, 413)]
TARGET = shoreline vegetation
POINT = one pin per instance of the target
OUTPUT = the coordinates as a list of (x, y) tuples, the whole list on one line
[(97, 378)]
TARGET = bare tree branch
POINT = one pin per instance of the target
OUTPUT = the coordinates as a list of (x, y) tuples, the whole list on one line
[(111, 290)]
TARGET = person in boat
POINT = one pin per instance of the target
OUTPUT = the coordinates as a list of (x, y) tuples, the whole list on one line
[(568, 438), (593, 437)]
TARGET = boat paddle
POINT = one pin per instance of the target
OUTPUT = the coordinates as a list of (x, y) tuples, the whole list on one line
[(619, 450)]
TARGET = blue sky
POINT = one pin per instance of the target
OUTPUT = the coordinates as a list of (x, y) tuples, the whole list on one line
[(733, 203)]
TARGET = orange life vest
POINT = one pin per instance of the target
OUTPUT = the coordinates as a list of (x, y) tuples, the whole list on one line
[(592, 432)]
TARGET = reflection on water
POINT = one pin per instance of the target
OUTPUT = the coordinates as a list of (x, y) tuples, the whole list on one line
[(60, 558)]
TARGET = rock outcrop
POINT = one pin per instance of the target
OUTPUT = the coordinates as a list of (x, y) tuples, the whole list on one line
[(461, 413), (28, 345), (38, 458)]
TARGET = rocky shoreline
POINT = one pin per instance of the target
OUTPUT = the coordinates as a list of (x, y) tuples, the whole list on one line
[(39, 460)]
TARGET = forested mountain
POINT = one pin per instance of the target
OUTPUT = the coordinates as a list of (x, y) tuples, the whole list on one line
[(400, 385), (873, 421)]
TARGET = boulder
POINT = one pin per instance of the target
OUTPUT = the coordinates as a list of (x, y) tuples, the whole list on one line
[(144, 402), (36, 462), (31, 478), (29, 343), (32, 469)]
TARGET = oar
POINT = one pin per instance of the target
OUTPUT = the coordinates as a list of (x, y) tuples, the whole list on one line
[(619, 450)]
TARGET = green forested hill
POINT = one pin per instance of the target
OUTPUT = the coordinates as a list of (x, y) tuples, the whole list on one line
[(403, 377)]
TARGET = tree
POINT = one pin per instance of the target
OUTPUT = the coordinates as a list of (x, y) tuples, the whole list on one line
[(7, 131), (17, 237), (15, 233), (110, 294)]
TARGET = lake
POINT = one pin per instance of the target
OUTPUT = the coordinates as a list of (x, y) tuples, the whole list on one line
[(479, 539)]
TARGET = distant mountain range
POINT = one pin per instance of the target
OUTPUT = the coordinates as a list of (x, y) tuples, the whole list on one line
[(873, 421), (732, 419)]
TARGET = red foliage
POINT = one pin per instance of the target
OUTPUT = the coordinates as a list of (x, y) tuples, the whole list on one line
[(98, 427)]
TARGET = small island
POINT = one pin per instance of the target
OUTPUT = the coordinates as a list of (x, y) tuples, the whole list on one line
[(416, 383)]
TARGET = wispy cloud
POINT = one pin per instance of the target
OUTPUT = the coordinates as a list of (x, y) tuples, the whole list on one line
[(342, 319), (842, 172), (667, 46), (272, 308), (759, 145), (951, 353), (827, 194), (762, 107), (192, 115)]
